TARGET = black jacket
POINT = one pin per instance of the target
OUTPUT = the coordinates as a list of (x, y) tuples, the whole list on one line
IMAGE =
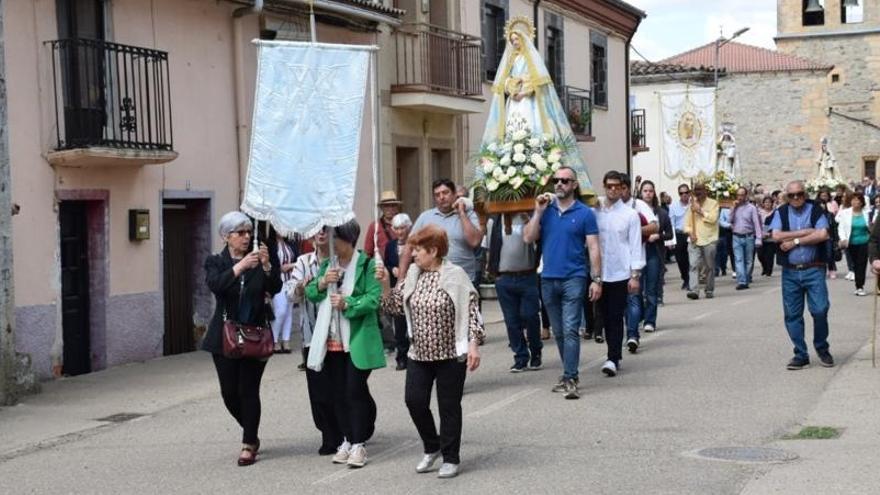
[(226, 287)]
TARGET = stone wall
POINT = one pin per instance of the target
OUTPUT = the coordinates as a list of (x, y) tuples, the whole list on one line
[(780, 118), (856, 61)]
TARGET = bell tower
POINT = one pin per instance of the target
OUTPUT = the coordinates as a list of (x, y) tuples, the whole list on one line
[(794, 17)]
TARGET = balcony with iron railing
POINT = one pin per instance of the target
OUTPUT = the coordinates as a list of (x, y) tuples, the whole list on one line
[(638, 131), (112, 104), (578, 105), (437, 70)]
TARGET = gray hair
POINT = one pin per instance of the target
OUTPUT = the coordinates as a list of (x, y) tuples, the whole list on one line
[(794, 183), (233, 221), (401, 220)]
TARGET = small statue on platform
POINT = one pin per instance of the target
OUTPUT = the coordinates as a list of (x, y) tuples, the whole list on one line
[(826, 163), (727, 159)]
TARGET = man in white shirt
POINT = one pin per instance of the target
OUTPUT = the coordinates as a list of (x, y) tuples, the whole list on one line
[(677, 211), (620, 238)]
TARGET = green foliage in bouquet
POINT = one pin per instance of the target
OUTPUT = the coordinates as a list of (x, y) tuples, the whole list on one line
[(720, 186)]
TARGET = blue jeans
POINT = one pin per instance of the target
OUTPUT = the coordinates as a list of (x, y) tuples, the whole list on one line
[(651, 284), (744, 254), (795, 285), (633, 315), (518, 297), (564, 300)]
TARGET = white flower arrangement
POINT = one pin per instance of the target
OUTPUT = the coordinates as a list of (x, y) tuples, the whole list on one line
[(721, 186), (520, 165), (815, 185)]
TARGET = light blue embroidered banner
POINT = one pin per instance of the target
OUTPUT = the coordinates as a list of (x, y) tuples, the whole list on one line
[(306, 134)]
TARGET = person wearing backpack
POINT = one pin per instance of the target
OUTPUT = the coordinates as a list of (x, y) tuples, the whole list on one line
[(800, 229)]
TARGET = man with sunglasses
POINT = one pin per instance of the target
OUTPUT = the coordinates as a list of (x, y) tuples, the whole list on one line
[(677, 211), (620, 236), (701, 226), (562, 222), (800, 230)]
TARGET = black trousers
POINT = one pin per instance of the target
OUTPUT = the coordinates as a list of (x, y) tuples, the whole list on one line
[(342, 406), (401, 338), (449, 375), (681, 256), (545, 318), (240, 389), (766, 256), (859, 255), (613, 306)]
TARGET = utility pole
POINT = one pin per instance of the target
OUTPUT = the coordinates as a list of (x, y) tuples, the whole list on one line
[(13, 376)]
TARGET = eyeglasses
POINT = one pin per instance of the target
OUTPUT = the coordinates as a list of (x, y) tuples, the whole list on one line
[(242, 232), (562, 180), (614, 186), (796, 195)]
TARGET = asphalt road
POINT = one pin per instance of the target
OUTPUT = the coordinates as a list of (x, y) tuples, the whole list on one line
[(712, 376)]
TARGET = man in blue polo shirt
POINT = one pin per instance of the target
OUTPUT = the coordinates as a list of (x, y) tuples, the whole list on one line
[(800, 230), (562, 223)]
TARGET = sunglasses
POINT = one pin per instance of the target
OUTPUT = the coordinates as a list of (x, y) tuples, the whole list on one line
[(562, 180), (242, 233), (796, 195)]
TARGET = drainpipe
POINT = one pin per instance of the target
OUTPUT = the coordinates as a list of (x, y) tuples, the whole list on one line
[(628, 119), (242, 125)]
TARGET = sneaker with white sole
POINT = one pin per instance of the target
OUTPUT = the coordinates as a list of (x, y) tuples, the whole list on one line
[(342, 453), (632, 345), (850, 276), (609, 368), (571, 390), (447, 470), (860, 292), (357, 458), (427, 462), (649, 328), (560, 386)]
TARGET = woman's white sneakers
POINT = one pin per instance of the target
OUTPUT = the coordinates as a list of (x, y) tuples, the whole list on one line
[(448, 470), (427, 462)]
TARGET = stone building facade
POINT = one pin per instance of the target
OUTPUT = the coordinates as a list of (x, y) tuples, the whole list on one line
[(849, 39)]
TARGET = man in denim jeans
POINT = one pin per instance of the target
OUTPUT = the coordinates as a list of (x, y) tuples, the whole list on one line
[(514, 265), (562, 223), (745, 222), (800, 230)]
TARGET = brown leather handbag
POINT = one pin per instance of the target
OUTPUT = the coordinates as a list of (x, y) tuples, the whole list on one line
[(246, 341)]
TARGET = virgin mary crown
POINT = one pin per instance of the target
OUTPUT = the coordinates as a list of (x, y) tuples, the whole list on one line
[(521, 25)]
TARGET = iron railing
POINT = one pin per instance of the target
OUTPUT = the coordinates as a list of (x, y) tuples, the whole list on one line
[(578, 105), (637, 128), (111, 95), (431, 58)]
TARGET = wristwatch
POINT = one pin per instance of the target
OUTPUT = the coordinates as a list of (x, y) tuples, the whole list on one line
[(797, 241), (597, 279), (635, 274)]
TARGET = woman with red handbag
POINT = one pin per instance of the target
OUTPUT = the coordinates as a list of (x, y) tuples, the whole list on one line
[(240, 278)]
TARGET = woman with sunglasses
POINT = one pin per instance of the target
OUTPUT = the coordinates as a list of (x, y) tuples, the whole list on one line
[(240, 278)]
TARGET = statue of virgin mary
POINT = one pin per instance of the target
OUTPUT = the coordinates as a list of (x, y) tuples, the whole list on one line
[(523, 95)]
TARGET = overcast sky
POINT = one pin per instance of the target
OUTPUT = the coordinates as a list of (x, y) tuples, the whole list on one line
[(674, 26)]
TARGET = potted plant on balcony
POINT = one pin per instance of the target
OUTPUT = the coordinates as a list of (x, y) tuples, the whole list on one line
[(579, 120)]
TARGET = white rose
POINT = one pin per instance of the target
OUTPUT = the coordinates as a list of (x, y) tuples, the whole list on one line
[(492, 147), (528, 170), (492, 185), (534, 142), (498, 173), (505, 160), (542, 167), (535, 158), (554, 157), (511, 171), (517, 181), (555, 166), (519, 148), (502, 178), (519, 158), (488, 164)]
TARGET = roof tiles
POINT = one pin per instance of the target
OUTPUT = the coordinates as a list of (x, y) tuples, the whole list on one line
[(741, 58)]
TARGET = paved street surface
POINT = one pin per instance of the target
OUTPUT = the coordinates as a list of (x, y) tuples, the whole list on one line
[(712, 376)]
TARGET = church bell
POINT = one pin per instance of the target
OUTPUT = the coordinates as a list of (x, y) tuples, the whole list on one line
[(813, 7)]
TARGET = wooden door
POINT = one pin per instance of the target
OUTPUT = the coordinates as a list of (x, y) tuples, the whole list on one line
[(177, 240), (75, 288)]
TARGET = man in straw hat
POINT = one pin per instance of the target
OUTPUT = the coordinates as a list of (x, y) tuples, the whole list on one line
[(390, 206)]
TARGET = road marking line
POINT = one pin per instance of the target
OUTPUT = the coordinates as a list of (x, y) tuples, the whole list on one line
[(342, 473), (502, 403)]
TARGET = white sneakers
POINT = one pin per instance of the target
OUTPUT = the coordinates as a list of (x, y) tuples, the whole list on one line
[(860, 292), (427, 462), (342, 453), (448, 470), (850, 276), (649, 328), (353, 455), (609, 368)]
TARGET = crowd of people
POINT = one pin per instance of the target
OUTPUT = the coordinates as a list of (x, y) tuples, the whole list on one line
[(582, 266)]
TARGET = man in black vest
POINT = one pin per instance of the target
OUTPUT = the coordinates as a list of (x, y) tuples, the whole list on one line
[(800, 230)]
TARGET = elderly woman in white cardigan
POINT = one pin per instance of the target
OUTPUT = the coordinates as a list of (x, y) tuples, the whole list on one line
[(445, 329)]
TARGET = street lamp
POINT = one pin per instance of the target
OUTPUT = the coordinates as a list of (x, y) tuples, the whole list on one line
[(721, 41)]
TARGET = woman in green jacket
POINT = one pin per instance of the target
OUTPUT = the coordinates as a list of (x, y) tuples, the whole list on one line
[(346, 346)]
